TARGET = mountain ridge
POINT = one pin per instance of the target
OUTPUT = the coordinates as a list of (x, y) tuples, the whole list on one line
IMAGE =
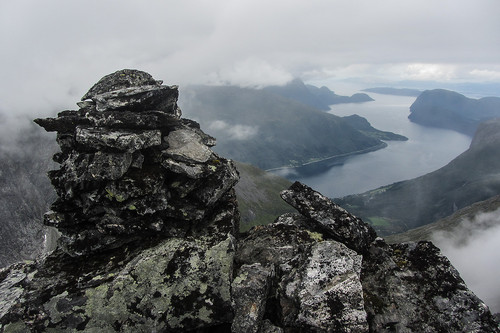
[(449, 109), (449, 223), (319, 98), (268, 130)]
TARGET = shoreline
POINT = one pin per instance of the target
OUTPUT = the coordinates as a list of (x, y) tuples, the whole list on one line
[(327, 162)]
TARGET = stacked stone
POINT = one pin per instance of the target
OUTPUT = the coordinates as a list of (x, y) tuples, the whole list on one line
[(131, 168), (148, 215)]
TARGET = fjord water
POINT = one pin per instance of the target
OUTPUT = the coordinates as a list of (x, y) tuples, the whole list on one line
[(426, 150)]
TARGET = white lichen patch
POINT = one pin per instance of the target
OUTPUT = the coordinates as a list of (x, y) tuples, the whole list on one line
[(187, 145), (330, 292)]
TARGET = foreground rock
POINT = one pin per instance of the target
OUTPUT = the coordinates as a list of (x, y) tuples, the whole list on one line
[(147, 215), (148, 218), (329, 218), (412, 287), (323, 285)]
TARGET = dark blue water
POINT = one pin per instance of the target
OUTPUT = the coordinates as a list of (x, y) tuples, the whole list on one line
[(427, 150)]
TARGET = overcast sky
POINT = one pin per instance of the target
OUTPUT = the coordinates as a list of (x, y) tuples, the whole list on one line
[(52, 51)]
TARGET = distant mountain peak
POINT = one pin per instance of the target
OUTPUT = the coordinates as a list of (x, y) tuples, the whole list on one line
[(319, 98)]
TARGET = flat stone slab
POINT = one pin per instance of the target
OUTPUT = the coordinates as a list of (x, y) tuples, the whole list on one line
[(124, 78), (118, 139), (187, 146), (329, 217), (330, 291)]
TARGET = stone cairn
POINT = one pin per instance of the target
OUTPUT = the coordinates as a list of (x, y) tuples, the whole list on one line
[(148, 218), (131, 167)]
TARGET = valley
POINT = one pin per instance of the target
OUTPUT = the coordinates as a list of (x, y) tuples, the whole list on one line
[(444, 182)]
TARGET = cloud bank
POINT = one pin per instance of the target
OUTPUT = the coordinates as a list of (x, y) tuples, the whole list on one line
[(233, 132), (474, 249), (53, 50)]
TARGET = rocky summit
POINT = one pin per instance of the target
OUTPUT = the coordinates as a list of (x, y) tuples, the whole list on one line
[(148, 222)]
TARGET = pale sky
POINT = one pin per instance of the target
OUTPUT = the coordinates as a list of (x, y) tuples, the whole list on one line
[(52, 51)]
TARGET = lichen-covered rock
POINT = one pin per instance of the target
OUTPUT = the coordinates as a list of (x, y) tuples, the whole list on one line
[(129, 170), (329, 217), (129, 89), (317, 282), (148, 220), (161, 98), (147, 215), (321, 285), (412, 287), (329, 289), (250, 291), (187, 146), (125, 78), (95, 138), (180, 284)]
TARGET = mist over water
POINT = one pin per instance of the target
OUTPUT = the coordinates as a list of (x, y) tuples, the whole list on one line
[(426, 150), (473, 249)]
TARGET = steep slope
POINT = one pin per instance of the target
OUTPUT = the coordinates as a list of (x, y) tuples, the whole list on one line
[(25, 194), (448, 109), (449, 224), (471, 177), (270, 131), (258, 196), (469, 238)]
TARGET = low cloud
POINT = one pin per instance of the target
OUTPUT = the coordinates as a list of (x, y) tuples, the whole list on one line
[(474, 249), (485, 74), (234, 132), (246, 43), (251, 72), (285, 172)]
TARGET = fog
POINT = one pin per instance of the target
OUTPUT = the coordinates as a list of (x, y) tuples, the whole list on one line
[(54, 50), (474, 249), (13, 127), (233, 131)]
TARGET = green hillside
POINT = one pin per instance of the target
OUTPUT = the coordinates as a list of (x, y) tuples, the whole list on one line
[(258, 196), (270, 131)]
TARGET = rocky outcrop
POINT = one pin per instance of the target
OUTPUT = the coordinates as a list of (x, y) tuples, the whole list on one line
[(147, 215), (412, 287), (333, 278), (329, 218), (148, 218)]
